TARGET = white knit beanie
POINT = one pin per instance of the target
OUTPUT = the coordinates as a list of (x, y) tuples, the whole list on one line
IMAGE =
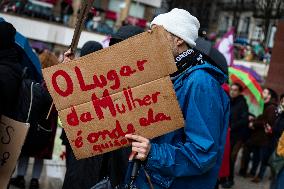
[(180, 23)]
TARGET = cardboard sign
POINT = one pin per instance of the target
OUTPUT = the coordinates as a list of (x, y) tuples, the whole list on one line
[(12, 137), (122, 89)]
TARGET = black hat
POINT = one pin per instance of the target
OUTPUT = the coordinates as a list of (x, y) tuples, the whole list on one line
[(220, 60), (125, 32), (7, 35), (90, 47), (215, 57)]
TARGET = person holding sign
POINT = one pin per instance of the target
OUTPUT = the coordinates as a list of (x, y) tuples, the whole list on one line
[(109, 167), (189, 157), (80, 173)]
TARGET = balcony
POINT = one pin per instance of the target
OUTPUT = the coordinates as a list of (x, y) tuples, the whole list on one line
[(98, 20), (49, 32)]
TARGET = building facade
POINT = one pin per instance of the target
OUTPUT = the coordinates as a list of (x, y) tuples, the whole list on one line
[(46, 16), (204, 10), (219, 16), (244, 16)]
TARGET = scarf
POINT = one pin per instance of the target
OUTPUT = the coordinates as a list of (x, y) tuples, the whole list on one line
[(187, 59)]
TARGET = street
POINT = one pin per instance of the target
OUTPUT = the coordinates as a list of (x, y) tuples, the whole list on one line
[(53, 175), (240, 183)]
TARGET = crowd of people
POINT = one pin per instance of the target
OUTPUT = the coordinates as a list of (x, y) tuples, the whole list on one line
[(253, 52), (201, 155), (256, 136)]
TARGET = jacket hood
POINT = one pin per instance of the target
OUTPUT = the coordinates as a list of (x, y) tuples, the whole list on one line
[(7, 35), (9, 58), (209, 68)]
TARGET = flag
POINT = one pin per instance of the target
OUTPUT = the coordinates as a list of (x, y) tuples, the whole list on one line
[(226, 46), (105, 42), (252, 89)]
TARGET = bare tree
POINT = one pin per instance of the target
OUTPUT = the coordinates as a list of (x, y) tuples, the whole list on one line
[(238, 8), (268, 10), (202, 9)]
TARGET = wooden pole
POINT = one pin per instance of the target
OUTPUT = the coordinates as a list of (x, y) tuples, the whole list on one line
[(84, 10), (123, 13)]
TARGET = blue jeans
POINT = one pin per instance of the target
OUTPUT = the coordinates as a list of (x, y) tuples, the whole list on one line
[(66, 19), (278, 183), (23, 166)]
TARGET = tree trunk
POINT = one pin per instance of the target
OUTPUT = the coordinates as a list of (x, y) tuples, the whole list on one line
[(266, 28), (236, 15)]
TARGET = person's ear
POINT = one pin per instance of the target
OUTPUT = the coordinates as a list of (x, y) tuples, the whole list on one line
[(179, 41)]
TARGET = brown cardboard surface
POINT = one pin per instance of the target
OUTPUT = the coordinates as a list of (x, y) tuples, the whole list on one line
[(139, 65), (161, 99), (154, 48), (12, 137)]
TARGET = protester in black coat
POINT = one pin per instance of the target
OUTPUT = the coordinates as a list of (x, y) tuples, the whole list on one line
[(239, 127), (83, 173), (10, 70), (239, 118)]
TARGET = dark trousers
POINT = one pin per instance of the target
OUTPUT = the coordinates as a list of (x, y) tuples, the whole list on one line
[(235, 148), (245, 159), (217, 185), (250, 153), (255, 159), (261, 156)]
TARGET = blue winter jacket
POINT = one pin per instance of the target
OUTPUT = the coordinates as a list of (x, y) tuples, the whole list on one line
[(190, 158)]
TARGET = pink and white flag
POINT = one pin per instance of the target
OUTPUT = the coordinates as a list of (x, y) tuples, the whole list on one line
[(106, 41), (226, 46)]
